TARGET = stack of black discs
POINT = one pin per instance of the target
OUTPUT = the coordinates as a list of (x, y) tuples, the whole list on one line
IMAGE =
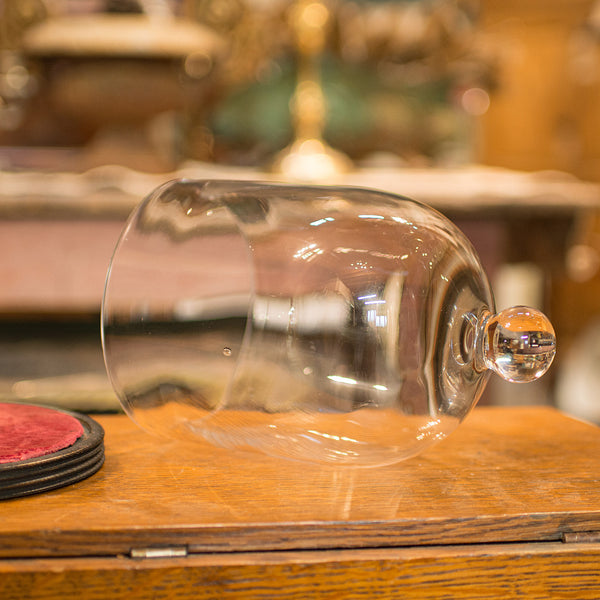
[(69, 460)]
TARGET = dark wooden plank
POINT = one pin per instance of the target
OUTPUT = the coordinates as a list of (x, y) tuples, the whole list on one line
[(526, 474), (533, 571)]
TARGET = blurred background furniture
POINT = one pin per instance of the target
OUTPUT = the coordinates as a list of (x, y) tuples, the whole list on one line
[(487, 110)]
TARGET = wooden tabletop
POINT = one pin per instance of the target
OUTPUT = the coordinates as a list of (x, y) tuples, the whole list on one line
[(506, 475)]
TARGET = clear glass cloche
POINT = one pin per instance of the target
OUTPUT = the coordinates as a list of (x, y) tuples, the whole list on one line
[(338, 325)]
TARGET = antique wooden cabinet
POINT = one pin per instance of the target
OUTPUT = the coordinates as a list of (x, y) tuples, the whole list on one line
[(507, 507)]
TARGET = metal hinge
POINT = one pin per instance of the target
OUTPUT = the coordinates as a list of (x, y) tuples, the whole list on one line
[(581, 537), (165, 552)]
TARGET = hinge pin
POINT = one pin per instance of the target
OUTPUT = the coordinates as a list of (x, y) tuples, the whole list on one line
[(168, 552), (581, 537)]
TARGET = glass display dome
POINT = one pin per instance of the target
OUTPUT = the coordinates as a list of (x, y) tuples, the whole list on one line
[(337, 325)]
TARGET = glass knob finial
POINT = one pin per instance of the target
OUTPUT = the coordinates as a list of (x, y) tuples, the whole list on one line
[(519, 344)]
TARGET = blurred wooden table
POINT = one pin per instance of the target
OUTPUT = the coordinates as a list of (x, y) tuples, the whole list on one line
[(58, 230), (507, 507)]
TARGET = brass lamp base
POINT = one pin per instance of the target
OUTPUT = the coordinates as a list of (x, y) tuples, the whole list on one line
[(311, 160)]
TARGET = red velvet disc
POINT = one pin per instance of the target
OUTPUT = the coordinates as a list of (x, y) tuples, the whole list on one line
[(31, 431)]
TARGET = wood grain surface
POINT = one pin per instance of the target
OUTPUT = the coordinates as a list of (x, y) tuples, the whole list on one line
[(507, 571), (506, 475)]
